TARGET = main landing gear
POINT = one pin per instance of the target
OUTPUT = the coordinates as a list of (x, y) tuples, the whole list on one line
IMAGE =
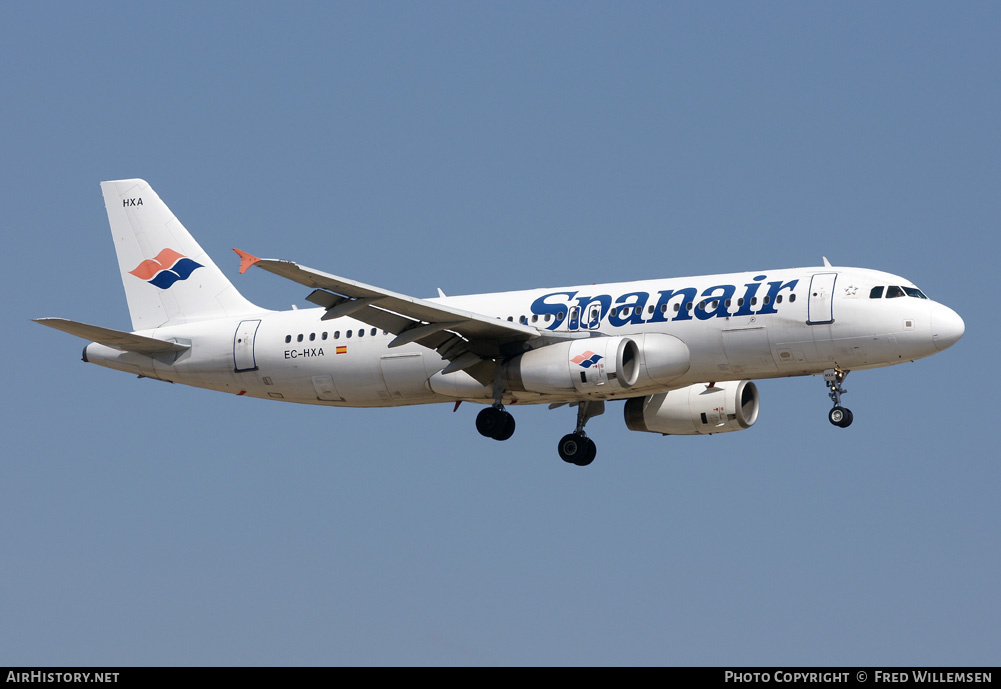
[(574, 448), (839, 416), (577, 448), (494, 422)]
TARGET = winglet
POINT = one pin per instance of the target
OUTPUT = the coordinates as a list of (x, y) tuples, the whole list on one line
[(246, 260)]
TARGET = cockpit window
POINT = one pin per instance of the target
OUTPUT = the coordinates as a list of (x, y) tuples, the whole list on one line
[(895, 291)]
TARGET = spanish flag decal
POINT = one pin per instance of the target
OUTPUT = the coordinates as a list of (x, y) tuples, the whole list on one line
[(342, 350)]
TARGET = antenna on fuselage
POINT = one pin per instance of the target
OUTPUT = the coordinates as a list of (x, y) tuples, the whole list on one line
[(826, 262)]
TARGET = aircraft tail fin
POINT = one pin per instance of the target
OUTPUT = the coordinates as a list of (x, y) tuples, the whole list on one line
[(168, 277)]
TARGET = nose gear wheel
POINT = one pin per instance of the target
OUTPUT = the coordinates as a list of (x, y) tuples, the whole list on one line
[(839, 416)]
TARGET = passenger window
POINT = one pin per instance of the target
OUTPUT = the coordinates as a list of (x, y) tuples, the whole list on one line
[(373, 332), (324, 335), (778, 299), (337, 334), (792, 297), (522, 320), (893, 292), (299, 338), (288, 338), (312, 337), (361, 332), (876, 293), (347, 333)]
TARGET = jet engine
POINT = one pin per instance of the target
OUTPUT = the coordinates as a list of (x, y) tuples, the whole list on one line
[(695, 410), (665, 359), (589, 365)]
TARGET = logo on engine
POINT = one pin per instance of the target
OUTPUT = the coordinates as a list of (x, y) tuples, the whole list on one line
[(587, 359)]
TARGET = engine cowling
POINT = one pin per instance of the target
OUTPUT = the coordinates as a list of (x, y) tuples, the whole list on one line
[(591, 365), (664, 359), (695, 410)]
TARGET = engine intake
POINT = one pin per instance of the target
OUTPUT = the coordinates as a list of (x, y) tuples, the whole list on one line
[(695, 410)]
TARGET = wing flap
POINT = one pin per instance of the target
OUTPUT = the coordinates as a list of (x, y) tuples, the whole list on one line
[(117, 339)]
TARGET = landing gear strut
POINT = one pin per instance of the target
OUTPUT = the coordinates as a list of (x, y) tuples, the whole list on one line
[(839, 416), (577, 448), (494, 422)]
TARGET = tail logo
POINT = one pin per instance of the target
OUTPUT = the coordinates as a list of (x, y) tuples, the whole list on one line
[(167, 268), (587, 359)]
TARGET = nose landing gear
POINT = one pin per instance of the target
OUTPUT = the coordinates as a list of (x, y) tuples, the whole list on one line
[(839, 416)]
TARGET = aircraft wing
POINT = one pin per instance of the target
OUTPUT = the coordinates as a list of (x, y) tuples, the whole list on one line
[(468, 340), (117, 339)]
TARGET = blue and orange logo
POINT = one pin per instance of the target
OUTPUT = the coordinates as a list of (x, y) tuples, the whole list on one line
[(587, 359), (167, 268)]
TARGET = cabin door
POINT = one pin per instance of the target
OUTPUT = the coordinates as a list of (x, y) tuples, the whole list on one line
[(820, 309), (243, 346)]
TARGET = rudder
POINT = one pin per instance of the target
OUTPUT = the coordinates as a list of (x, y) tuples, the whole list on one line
[(168, 277)]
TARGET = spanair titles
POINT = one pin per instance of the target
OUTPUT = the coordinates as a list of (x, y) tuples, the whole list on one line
[(574, 310)]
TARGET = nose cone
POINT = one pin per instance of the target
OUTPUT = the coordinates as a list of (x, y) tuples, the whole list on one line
[(947, 327)]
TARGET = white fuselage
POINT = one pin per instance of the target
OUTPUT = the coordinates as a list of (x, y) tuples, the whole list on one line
[(736, 326)]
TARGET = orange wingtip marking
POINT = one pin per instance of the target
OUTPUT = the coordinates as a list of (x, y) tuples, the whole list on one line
[(246, 260)]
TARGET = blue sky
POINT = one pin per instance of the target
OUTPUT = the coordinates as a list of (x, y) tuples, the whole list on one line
[(479, 147)]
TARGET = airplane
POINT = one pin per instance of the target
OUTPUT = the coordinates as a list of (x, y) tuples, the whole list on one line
[(681, 353)]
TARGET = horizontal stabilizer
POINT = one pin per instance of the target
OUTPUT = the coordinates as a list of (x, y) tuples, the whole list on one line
[(117, 339)]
